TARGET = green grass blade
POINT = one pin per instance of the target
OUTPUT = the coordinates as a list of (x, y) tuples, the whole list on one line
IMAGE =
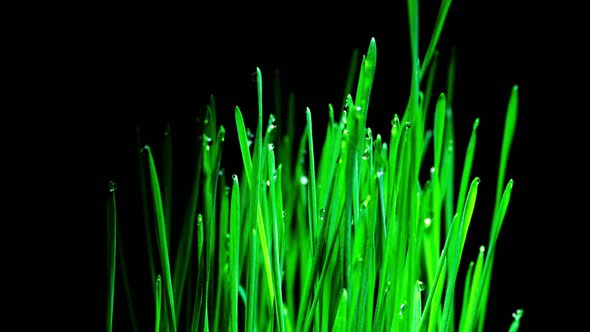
[(121, 258), (251, 306), (466, 293), (313, 203), (234, 247), (354, 60), (276, 216), (184, 250), (471, 286), (429, 84), (484, 287), (243, 140), (439, 129), (509, 127), (158, 288), (341, 321), (454, 255), (143, 188), (450, 76), (365, 84), (467, 165), (161, 236), (111, 253), (438, 26), (516, 322), (167, 179)]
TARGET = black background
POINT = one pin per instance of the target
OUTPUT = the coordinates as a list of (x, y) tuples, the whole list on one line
[(138, 69)]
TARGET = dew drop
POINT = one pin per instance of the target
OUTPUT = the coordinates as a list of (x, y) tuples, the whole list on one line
[(402, 309), (304, 180), (272, 123), (427, 222), (112, 186), (234, 177), (420, 285), (322, 214)]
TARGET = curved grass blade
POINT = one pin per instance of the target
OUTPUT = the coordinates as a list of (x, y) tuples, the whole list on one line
[(161, 236)]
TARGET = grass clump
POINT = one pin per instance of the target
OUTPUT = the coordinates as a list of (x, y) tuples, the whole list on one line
[(344, 237)]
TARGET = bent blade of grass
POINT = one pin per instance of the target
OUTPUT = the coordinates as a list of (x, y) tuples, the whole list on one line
[(161, 236), (111, 253)]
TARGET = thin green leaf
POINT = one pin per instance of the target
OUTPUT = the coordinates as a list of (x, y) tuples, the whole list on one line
[(161, 236)]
